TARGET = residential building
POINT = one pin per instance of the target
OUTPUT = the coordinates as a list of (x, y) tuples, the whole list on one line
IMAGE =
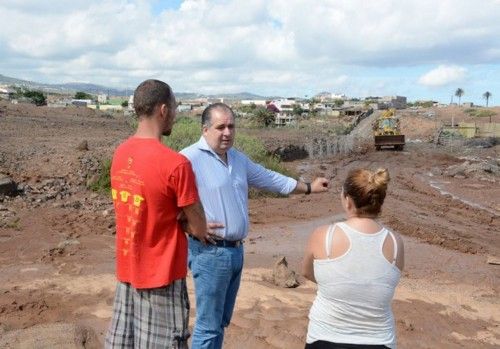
[(102, 98), (258, 102)]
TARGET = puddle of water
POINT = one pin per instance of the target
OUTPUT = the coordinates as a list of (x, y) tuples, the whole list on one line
[(25, 270), (293, 236), (438, 185)]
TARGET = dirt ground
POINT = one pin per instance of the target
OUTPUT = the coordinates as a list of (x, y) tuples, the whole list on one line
[(57, 237)]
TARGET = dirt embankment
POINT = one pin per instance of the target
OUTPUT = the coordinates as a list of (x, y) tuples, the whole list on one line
[(57, 237)]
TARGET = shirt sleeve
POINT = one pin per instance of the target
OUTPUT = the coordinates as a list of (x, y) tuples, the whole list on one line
[(262, 178), (183, 183)]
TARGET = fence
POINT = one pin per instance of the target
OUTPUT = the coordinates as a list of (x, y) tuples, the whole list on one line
[(322, 147), (337, 145)]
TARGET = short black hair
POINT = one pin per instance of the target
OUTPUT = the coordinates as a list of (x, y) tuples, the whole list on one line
[(151, 93), (206, 116)]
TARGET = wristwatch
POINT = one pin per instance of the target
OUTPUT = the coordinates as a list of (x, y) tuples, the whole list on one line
[(308, 191)]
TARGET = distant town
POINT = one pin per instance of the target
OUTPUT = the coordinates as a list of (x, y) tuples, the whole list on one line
[(280, 111)]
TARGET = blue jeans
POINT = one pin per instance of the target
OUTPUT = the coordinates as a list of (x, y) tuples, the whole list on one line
[(216, 274)]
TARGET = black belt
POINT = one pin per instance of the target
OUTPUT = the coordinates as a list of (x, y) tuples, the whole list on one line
[(222, 243)]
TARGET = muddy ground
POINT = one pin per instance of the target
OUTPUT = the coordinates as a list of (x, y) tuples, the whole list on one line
[(57, 237)]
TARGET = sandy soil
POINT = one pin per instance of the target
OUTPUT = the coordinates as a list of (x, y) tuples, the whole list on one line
[(57, 239)]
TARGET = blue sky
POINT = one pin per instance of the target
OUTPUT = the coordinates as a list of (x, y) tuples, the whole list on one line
[(420, 49)]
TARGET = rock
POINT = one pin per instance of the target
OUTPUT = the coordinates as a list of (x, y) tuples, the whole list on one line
[(83, 146), (408, 325), (283, 276), (291, 152), (7, 186), (493, 260), (52, 335)]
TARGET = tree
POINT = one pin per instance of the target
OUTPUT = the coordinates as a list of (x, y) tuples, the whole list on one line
[(125, 104), (487, 96), (297, 110), (338, 102), (83, 95), (37, 97), (264, 116), (459, 93)]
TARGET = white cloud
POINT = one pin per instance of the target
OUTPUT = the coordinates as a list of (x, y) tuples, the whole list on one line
[(283, 46), (443, 75)]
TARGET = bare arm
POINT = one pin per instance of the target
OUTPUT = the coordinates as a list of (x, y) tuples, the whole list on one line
[(400, 258), (319, 185), (210, 232), (196, 223), (308, 260)]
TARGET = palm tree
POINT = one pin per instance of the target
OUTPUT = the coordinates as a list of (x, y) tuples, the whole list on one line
[(487, 96), (459, 93)]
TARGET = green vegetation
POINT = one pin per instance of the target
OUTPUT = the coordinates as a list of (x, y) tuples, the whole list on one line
[(258, 116), (263, 117), (124, 104), (338, 102), (297, 110), (480, 113), (487, 96), (247, 108), (188, 131), (423, 104), (36, 97), (451, 134), (459, 93), (117, 101), (83, 95), (103, 182)]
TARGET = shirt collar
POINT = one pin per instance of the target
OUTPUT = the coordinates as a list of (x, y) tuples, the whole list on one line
[(203, 145)]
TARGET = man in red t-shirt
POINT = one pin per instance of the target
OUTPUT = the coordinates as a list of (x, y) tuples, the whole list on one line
[(151, 186)]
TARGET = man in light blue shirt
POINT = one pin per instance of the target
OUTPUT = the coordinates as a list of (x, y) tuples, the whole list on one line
[(223, 176)]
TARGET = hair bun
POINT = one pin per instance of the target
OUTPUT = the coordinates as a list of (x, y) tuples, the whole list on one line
[(380, 177)]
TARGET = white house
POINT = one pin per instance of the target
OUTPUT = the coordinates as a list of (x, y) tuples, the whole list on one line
[(102, 98), (261, 102), (6, 93)]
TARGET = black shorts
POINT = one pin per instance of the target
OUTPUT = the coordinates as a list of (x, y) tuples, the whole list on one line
[(331, 345)]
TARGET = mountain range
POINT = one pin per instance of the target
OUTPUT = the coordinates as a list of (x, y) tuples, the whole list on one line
[(72, 87)]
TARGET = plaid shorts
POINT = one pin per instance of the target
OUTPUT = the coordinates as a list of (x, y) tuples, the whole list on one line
[(150, 318)]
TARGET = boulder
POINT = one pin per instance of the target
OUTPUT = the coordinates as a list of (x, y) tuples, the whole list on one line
[(283, 276), (7, 186)]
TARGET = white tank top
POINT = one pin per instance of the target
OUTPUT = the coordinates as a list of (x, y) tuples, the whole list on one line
[(355, 290)]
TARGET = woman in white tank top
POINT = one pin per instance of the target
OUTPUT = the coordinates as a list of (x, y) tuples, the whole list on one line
[(357, 265)]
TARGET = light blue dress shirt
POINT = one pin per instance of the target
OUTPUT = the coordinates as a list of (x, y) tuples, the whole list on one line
[(223, 188)]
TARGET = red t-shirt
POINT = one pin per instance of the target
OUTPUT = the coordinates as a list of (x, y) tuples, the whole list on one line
[(149, 184)]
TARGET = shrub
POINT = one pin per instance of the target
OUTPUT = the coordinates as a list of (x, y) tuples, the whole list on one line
[(103, 182), (83, 95), (480, 113), (186, 131), (36, 97)]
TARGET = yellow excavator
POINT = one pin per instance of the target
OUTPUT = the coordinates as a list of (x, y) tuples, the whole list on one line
[(387, 131)]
